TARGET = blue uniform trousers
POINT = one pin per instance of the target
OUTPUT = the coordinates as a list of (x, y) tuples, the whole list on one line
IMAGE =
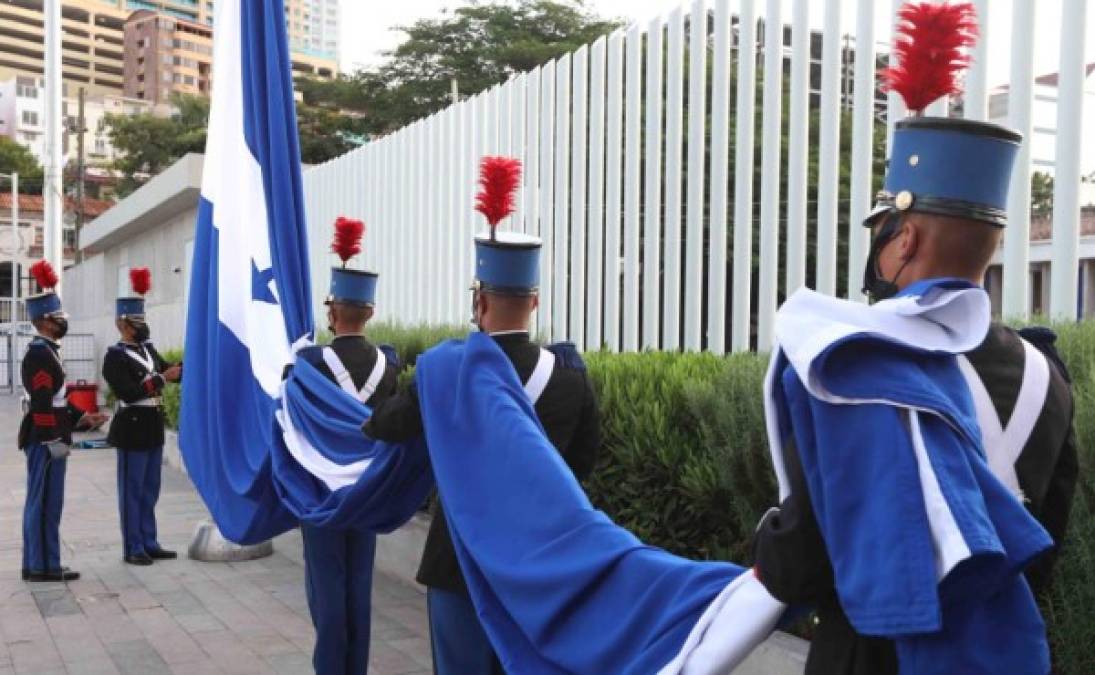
[(460, 645), (338, 573), (42, 510), (138, 492)]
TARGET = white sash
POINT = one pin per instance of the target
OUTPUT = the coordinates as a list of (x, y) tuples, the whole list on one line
[(149, 365), (538, 381), (1004, 445), (342, 376)]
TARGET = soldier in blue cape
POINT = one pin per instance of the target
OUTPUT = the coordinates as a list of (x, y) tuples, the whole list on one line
[(338, 563), (903, 517), (137, 375), (504, 295)]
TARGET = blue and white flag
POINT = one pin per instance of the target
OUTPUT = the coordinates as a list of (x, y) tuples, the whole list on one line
[(250, 297), (264, 453)]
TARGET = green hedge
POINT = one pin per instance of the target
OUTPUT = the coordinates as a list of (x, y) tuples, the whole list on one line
[(685, 461)]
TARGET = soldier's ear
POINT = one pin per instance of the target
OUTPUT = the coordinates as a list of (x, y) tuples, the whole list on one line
[(369, 311), (908, 239), (535, 301)]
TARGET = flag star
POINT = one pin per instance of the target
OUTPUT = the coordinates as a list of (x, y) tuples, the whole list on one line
[(260, 284)]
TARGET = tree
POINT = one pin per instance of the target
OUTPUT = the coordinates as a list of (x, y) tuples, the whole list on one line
[(147, 144), (326, 133), (478, 46), (1041, 193), (15, 158)]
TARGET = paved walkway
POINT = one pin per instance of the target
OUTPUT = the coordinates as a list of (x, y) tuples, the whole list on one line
[(177, 616)]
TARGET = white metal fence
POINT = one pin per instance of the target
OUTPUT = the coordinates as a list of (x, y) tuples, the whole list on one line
[(627, 144)]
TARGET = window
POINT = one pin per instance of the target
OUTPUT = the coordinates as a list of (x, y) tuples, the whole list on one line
[(26, 90), (30, 118)]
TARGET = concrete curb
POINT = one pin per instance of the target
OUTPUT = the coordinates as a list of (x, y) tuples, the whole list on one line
[(398, 554)]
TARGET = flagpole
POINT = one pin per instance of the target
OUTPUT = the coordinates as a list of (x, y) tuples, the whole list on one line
[(51, 185)]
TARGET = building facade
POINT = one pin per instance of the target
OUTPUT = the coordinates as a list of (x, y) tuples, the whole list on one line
[(22, 118), (21, 247), (91, 39), (1043, 140), (165, 55), (154, 228)]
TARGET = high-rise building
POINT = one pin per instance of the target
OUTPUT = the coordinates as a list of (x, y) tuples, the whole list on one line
[(165, 55), (91, 39)]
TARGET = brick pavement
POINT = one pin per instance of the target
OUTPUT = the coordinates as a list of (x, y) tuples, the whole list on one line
[(173, 617)]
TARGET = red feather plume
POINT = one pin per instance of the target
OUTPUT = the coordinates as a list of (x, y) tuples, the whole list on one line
[(498, 180), (140, 280), (930, 50), (44, 274), (348, 234)]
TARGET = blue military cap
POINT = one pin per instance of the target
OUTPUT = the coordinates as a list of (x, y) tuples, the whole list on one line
[(46, 303), (950, 167), (43, 305), (126, 308), (140, 281), (353, 287), (508, 263)]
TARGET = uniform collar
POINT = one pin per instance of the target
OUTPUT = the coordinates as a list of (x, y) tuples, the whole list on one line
[(348, 337), (918, 288), (49, 341), (510, 337)]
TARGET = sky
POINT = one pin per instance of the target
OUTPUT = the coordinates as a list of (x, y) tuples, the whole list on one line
[(367, 26)]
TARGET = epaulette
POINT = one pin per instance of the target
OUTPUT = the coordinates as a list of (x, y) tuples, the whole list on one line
[(567, 355), (392, 355), (1044, 340)]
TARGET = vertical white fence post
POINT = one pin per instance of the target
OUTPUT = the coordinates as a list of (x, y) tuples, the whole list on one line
[(595, 226), (1070, 142), (720, 181), (862, 148), (1020, 101), (769, 181), (697, 114), (547, 196), (798, 142), (632, 187), (652, 207), (578, 169), (741, 329), (614, 97), (975, 106), (674, 147), (829, 150), (561, 235)]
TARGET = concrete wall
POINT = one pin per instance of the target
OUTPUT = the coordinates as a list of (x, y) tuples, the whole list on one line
[(91, 287)]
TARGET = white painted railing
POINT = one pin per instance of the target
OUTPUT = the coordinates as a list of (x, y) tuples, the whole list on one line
[(626, 143)]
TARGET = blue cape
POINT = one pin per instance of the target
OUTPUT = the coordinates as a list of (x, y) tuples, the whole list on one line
[(927, 546), (559, 587), (394, 479)]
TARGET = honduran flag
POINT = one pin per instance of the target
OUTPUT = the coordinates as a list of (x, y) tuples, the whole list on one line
[(263, 453)]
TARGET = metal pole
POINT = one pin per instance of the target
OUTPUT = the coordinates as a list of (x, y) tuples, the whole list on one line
[(81, 171), (51, 185), (1064, 269)]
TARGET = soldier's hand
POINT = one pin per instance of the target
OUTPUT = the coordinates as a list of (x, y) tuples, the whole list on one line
[(173, 373)]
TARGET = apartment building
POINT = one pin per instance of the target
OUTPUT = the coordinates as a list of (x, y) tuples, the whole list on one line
[(165, 55), (22, 117), (91, 40)]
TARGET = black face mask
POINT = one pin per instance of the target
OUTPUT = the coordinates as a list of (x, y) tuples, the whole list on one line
[(62, 327), (141, 330), (874, 285)]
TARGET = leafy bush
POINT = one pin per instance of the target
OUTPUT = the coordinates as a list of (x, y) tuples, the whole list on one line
[(410, 341)]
